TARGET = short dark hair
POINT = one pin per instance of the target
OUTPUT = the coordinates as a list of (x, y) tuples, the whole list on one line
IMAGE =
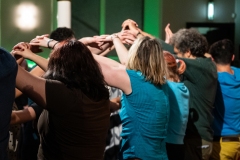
[(190, 40), (62, 33), (222, 51), (72, 64)]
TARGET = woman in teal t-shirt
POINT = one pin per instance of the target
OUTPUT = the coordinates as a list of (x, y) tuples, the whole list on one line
[(145, 105), (179, 108)]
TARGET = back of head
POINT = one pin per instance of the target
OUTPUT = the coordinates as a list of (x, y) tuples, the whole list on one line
[(222, 51), (175, 68), (73, 64), (146, 56), (62, 33), (190, 40)]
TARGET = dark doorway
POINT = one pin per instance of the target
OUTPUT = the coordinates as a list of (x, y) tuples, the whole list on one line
[(214, 31)]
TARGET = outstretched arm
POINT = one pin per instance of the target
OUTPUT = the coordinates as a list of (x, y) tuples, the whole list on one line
[(32, 86), (23, 49), (101, 45), (22, 116), (114, 73), (97, 44), (118, 39), (37, 71)]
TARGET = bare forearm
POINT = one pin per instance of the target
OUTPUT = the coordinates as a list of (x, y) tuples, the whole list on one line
[(104, 48), (121, 50), (107, 51), (22, 116), (31, 86), (41, 62)]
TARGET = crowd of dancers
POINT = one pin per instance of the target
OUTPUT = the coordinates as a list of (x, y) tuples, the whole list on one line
[(176, 99)]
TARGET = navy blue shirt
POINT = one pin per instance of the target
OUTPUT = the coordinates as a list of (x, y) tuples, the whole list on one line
[(8, 71)]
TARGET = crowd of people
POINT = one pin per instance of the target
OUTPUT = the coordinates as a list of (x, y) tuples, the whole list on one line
[(162, 100)]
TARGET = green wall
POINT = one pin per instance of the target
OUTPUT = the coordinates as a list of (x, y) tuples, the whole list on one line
[(153, 17), (89, 18)]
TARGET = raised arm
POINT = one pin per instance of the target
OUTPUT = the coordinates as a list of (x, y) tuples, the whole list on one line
[(37, 71), (97, 44), (103, 44), (168, 33), (114, 73), (23, 49), (118, 39), (32, 86)]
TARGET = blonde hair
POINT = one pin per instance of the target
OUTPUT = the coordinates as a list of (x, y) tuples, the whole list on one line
[(146, 56)]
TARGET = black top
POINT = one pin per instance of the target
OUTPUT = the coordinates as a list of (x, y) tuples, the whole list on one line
[(8, 71), (200, 78), (72, 126)]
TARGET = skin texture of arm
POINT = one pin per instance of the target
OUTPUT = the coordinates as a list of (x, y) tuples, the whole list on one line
[(23, 49), (168, 33), (96, 44), (22, 116), (101, 45), (118, 39), (37, 71), (121, 50), (32, 86), (40, 61), (115, 104), (114, 73)]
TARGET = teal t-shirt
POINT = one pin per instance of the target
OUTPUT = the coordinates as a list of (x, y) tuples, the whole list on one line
[(179, 110), (144, 115)]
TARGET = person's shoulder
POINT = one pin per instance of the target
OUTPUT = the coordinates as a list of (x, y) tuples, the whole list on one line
[(177, 85), (235, 68), (134, 73), (51, 81), (206, 62), (55, 85), (8, 63), (204, 59), (236, 71)]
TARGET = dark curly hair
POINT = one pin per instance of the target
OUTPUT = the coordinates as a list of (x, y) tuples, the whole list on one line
[(62, 33), (190, 40), (73, 64), (222, 51)]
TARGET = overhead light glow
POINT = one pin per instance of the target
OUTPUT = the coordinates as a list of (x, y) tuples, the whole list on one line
[(210, 10), (26, 16)]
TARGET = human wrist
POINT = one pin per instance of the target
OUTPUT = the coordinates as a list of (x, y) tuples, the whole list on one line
[(139, 33), (51, 43), (56, 42), (30, 56), (114, 36), (48, 43)]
